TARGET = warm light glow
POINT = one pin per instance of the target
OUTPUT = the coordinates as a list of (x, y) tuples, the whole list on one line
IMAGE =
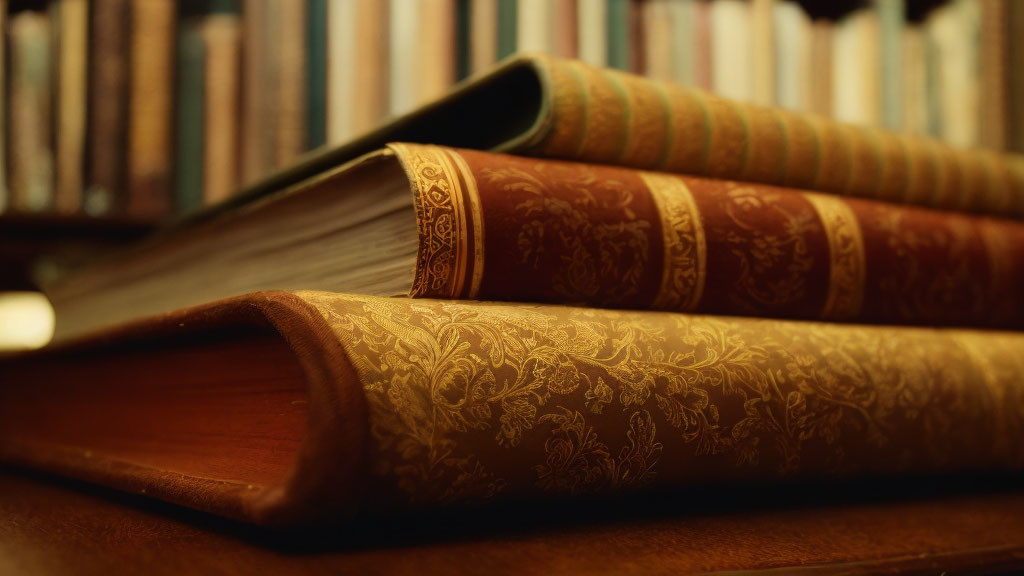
[(26, 320)]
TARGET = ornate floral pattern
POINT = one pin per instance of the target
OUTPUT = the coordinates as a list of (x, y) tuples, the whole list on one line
[(469, 401), (846, 261), (685, 250)]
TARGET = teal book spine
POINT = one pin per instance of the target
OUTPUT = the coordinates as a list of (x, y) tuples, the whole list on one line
[(508, 14), (188, 181), (462, 39), (618, 34), (316, 74)]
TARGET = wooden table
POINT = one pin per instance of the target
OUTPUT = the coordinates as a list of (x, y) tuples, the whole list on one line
[(50, 526)]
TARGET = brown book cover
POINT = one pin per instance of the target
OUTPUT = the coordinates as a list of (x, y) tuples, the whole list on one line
[(541, 106), (437, 222), (994, 72), (290, 408), (288, 31), (108, 91), (150, 108)]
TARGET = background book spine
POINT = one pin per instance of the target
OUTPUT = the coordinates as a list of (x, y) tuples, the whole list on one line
[(763, 58), (993, 61), (189, 116), (288, 32), (619, 41), (72, 95), (108, 90), (31, 154), (592, 23), (731, 50), (483, 32), (150, 108), (891, 22), (508, 17), (316, 73), (5, 191), (221, 37)]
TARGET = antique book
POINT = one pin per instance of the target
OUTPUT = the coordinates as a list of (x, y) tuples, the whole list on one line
[(794, 73), (108, 90), (483, 34), (356, 68), (857, 68), (71, 46), (287, 47), (31, 177), (189, 115), (293, 408), (316, 73), (592, 23), (429, 221), (258, 92), (566, 109), (150, 110), (732, 66), (222, 43), (994, 74), (5, 192)]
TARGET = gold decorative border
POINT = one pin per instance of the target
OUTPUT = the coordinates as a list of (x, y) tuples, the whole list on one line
[(847, 268), (445, 227), (685, 249)]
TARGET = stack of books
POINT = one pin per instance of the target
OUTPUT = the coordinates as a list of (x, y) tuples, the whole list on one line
[(149, 109), (557, 281)]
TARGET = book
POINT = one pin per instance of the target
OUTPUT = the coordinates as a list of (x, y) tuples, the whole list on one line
[(31, 150), (916, 111), (287, 409), (891, 23), (71, 46), (592, 24), (822, 33), (221, 36), (316, 73), (189, 118), (566, 109), (288, 45), (437, 222), (953, 32), (148, 169), (763, 59), (732, 67), (993, 63), (794, 72), (857, 68), (483, 34)]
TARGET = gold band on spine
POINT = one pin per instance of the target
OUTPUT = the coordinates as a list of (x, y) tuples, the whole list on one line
[(441, 221), (685, 251), (472, 198), (846, 257)]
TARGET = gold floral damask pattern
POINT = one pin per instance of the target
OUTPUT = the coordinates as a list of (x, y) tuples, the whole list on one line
[(473, 401)]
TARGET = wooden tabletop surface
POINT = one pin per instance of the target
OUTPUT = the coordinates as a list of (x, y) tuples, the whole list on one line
[(51, 526)]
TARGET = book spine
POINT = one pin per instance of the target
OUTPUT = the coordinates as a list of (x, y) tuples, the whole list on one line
[(5, 192), (531, 400), (31, 154), (72, 50), (483, 32), (609, 117), (316, 74), (508, 18), (188, 178), (222, 40), (150, 108), (534, 230), (288, 30)]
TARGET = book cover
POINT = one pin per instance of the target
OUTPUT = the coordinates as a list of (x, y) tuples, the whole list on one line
[(221, 34), (462, 224), (329, 403)]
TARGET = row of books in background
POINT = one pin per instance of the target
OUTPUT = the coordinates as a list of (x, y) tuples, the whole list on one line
[(148, 108)]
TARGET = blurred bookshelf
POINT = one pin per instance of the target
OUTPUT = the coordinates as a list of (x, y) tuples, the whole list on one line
[(119, 115)]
